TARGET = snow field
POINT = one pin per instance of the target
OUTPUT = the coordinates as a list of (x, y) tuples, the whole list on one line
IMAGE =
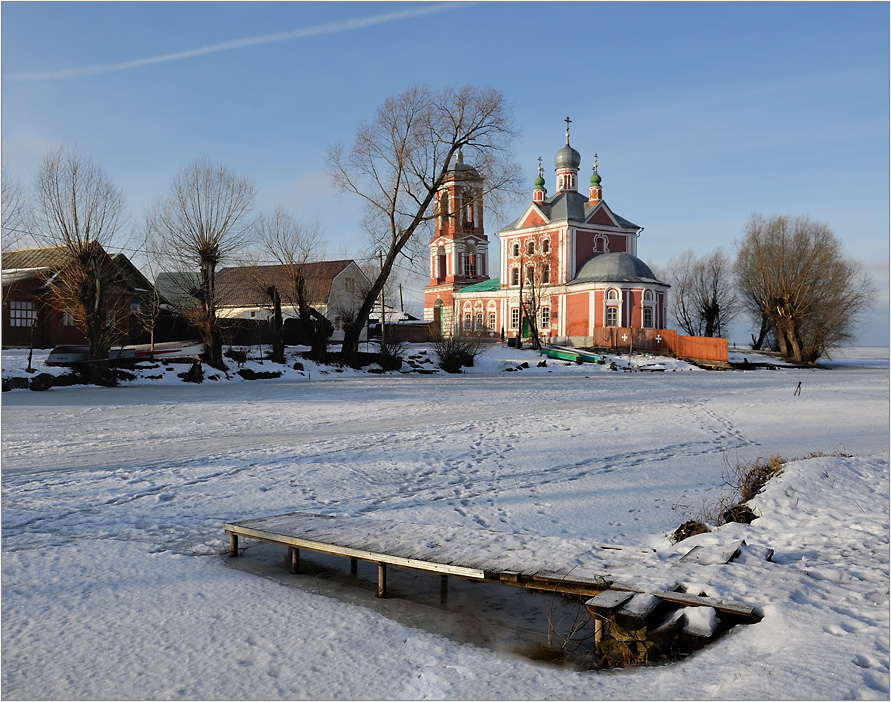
[(115, 584)]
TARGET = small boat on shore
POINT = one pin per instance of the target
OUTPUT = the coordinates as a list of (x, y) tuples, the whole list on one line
[(168, 350), (566, 354)]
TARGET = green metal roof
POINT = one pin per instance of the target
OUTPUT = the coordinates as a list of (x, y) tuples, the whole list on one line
[(490, 285)]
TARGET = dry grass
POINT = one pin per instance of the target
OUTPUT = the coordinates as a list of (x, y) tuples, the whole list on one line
[(748, 479)]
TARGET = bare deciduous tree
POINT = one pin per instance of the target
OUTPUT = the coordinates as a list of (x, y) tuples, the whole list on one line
[(398, 162), (704, 299), (81, 211), (294, 245), (794, 272), (15, 212), (199, 226)]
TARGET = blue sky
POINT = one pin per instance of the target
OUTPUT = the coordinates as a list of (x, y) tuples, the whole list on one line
[(700, 113)]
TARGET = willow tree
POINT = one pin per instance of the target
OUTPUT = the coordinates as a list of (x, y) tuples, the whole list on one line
[(201, 225), (79, 210), (399, 160), (793, 272)]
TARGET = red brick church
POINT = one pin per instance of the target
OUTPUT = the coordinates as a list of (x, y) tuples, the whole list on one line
[(568, 264)]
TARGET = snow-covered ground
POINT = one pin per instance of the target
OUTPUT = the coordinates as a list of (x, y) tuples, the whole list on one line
[(116, 583)]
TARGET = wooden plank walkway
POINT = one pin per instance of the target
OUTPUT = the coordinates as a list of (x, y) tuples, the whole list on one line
[(475, 554)]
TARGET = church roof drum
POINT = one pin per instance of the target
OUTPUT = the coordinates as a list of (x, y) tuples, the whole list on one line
[(615, 268)]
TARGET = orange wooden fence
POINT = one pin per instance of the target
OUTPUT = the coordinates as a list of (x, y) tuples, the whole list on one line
[(700, 348)]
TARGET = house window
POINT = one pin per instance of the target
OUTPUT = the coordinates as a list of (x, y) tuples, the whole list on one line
[(648, 317), (349, 284), (135, 308), (514, 276), (612, 316), (470, 265), (545, 317), (22, 313), (545, 273), (491, 320), (514, 318), (67, 319)]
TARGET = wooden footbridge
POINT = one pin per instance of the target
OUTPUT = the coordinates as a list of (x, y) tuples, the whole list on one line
[(476, 554)]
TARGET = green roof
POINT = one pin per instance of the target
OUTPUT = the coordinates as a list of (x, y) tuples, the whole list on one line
[(490, 285)]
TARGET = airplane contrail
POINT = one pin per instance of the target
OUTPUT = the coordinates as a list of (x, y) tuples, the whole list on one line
[(331, 28)]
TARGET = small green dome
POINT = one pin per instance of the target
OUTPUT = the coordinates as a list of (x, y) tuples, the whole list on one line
[(595, 179), (539, 182)]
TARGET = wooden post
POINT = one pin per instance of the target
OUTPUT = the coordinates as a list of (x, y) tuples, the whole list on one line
[(354, 566), (233, 546), (295, 560), (443, 588), (598, 630), (381, 579)]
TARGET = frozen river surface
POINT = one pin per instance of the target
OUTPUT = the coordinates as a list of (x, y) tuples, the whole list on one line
[(115, 584)]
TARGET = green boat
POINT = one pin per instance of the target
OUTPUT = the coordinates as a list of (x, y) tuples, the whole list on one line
[(573, 355)]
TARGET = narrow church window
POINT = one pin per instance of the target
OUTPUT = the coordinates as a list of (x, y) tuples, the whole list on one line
[(470, 265), (479, 320), (530, 274), (530, 248), (545, 317), (546, 246), (443, 208), (545, 273), (648, 317), (514, 318), (491, 320), (514, 276), (515, 249), (613, 294), (612, 316)]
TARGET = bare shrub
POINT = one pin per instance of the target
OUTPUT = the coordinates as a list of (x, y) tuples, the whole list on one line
[(456, 352)]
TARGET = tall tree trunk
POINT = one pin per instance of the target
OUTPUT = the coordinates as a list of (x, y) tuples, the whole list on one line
[(278, 342)]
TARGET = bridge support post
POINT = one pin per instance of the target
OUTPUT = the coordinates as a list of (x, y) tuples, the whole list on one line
[(295, 560), (381, 579)]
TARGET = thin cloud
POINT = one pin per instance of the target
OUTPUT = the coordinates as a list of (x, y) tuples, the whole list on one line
[(331, 28)]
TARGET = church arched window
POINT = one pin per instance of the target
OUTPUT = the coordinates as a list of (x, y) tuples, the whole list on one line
[(545, 246), (514, 276), (515, 249), (530, 247)]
